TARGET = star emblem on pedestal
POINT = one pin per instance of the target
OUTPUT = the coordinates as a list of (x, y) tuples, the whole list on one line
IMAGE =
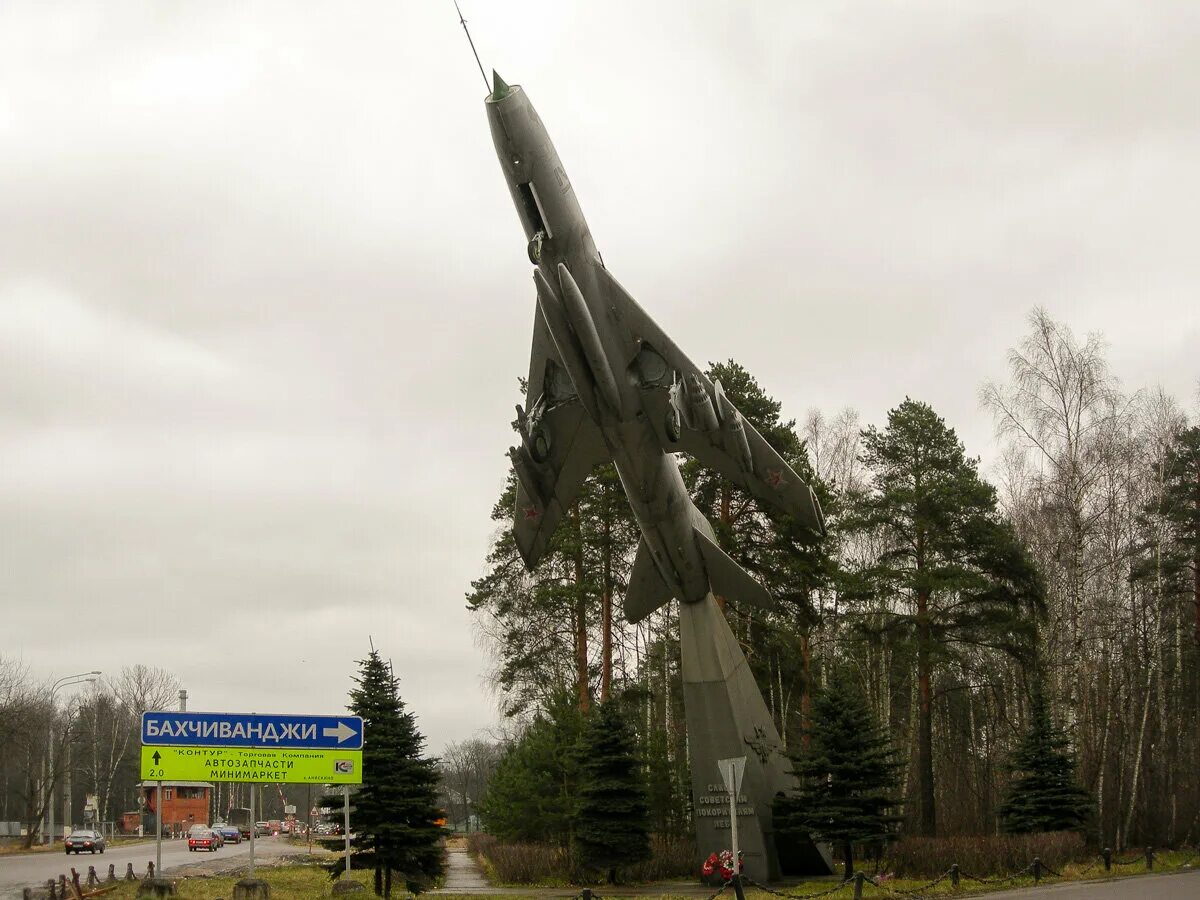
[(532, 513), (775, 478)]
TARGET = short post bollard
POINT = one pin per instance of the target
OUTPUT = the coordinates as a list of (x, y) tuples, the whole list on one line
[(157, 887), (26, 894), (129, 876), (251, 889), (587, 894), (50, 889), (858, 883), (93, 878), (1149, 859), (112, 873), (954, 874), (62, 886), (1037, 870), (1107, 854)]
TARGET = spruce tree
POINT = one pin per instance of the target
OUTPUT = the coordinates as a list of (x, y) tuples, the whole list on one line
[(395, 811), (533, 793), (846, 777), (1045, 796), (1180, 505), (612, 825)]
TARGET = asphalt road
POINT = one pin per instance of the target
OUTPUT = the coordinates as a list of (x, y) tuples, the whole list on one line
[(28, 870), (1178, 886)]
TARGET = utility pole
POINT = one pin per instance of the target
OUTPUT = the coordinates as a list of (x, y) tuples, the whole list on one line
[(67, 783), (48, 813)]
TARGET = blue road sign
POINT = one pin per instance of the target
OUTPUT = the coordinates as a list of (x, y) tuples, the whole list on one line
[(201, 729)]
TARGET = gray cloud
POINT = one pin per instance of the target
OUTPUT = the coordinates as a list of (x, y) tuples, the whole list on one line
[(264, 299)]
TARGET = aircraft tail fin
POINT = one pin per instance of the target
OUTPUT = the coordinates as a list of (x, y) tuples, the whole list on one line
[(728, 579), (647, 590)]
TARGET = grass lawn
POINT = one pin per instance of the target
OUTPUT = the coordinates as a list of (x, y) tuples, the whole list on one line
[(287, 883), (310, 883)]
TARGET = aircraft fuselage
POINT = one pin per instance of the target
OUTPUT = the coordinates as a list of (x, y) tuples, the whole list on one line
[(558, 236)]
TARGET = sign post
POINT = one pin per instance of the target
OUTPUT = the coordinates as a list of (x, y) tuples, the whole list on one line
[(253, 830), (158, 824), (346, 823), (731, 773), (253, 748)]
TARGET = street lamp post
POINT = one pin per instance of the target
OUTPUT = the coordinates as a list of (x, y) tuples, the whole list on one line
[(65, 681)]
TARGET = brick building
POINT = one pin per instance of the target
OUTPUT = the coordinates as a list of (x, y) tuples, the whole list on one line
[(184, 804)]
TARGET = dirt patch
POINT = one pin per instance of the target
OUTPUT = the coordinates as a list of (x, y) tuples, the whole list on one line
[(235, 865)]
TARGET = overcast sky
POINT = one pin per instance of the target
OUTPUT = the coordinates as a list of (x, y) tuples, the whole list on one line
[(264, 297)]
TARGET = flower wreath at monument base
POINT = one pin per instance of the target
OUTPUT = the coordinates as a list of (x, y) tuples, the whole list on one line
[(718, 868)]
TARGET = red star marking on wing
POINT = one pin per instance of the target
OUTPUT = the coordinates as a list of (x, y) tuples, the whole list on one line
[(532, 513), (775, 478)]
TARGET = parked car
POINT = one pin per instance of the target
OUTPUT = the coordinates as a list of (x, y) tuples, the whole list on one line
[(79, 841), (230, 833), (201, 837), (261, 829)]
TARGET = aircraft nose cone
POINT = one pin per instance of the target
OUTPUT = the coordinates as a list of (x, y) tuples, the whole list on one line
[(500, 89)]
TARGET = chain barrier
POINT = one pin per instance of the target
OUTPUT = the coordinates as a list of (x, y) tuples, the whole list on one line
[(720, 890), (997, 880), (1095, 862), (1131, 861), (895, 892), (917, 893), (825, 893), (917, 890)]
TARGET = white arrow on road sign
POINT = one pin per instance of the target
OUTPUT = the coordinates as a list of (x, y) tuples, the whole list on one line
[(343, 732), (731, 773)]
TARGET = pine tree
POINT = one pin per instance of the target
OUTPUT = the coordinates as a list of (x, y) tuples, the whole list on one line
[(395, 811), (846, 775), (1046, 796), (612, 826), (968, 579), (770, 545)]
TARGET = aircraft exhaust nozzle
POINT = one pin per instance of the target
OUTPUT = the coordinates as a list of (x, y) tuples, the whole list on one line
[(589, 339)]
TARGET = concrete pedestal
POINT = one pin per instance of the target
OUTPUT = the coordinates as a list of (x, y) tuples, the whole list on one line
[(726, 717)]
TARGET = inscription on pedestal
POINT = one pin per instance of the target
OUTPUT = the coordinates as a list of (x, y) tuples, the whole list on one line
[(715, 805)]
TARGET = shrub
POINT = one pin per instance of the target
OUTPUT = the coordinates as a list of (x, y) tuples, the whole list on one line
[(983, 855), (478, 843), (519, 863), (525, 863), (670, 857)]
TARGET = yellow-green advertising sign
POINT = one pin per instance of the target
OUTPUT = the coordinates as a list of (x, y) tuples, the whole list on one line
[(281, 765)]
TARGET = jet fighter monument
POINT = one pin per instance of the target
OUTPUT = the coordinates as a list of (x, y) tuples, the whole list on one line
[(606, 383)]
